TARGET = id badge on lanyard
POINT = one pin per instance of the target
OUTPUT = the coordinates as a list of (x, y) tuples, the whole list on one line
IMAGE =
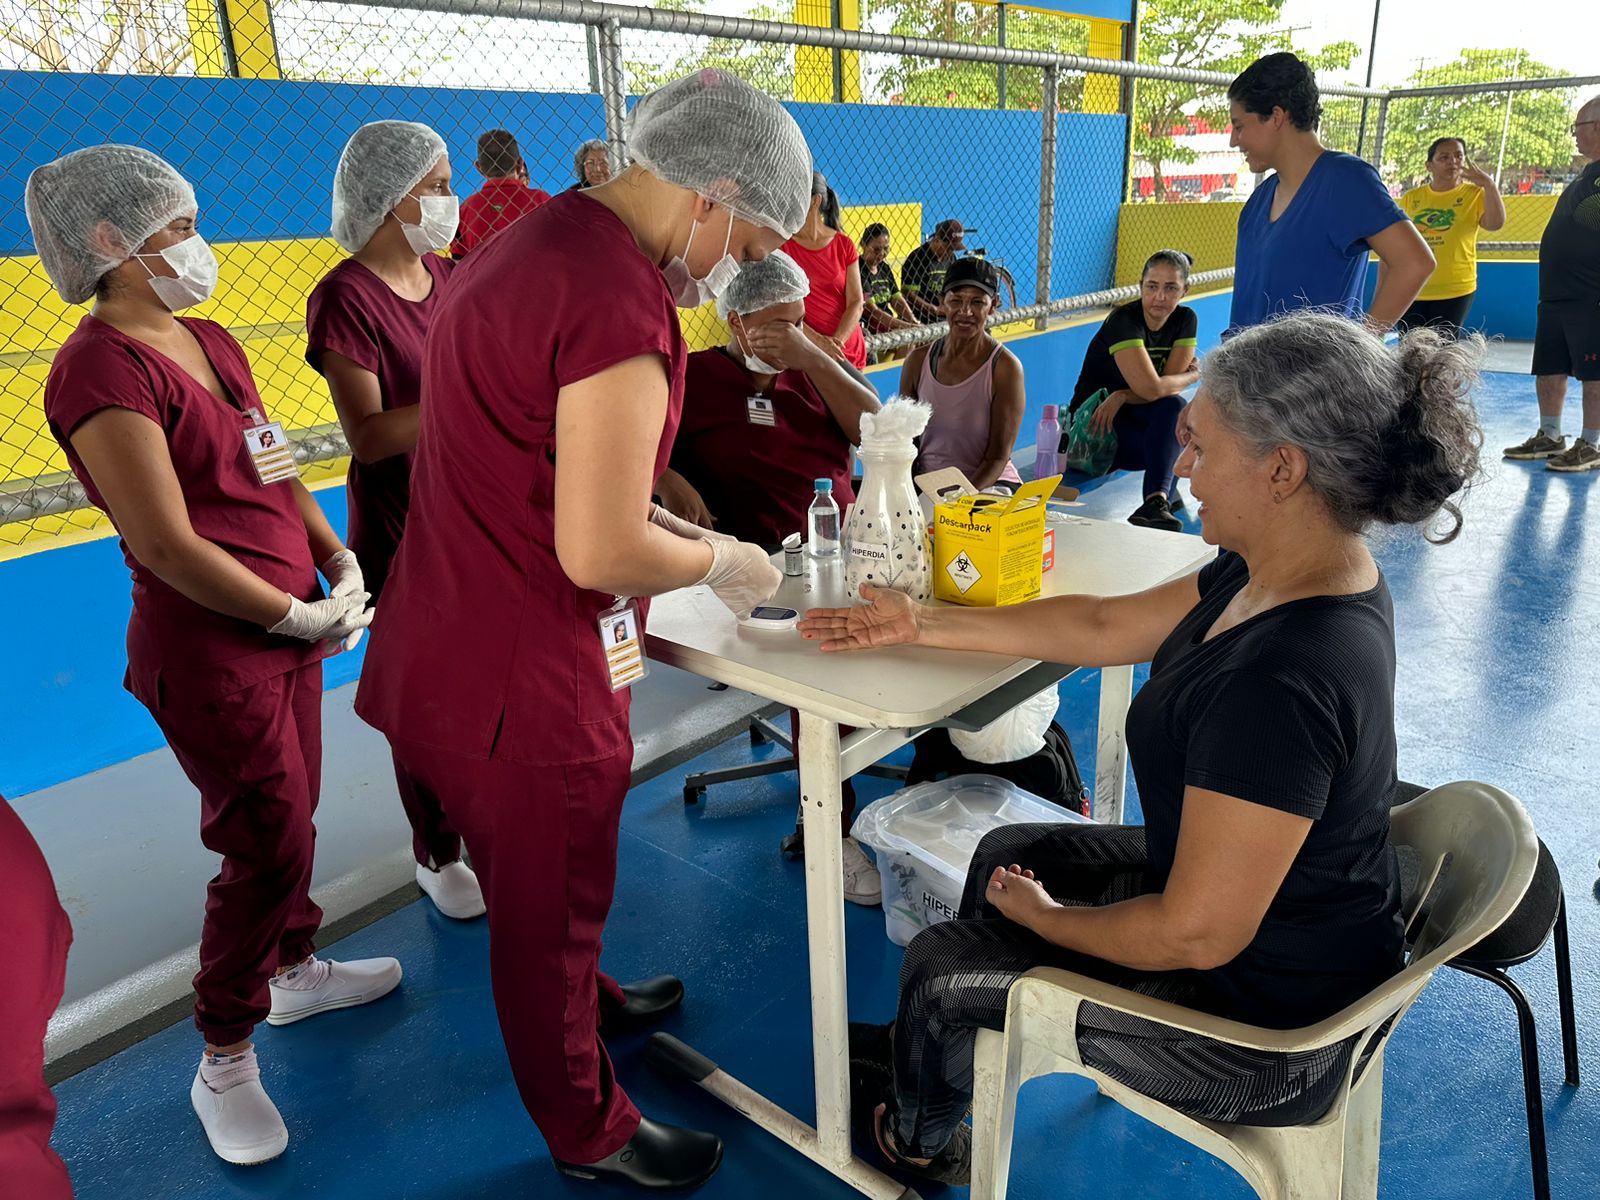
[(622, 639), (269, 448), (759, 411)]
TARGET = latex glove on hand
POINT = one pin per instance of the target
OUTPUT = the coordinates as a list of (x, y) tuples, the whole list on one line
[(741, 574), (337, 618), (663, 519), (343, 573)]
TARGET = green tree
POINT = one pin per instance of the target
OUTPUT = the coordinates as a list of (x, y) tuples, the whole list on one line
[(936, 82), (767, 65), (1536, 136), (1212, 35)]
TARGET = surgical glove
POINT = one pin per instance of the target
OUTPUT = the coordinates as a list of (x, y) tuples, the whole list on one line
[(741, 575), (335, 617), (684, 529), (333, 645), (343, 574)]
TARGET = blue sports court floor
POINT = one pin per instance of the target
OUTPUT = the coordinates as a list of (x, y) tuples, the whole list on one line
[(410, 1098)]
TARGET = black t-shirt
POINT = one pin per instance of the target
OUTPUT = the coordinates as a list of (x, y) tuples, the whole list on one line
[(1569, 252), (1293, 710), (880, 286), (923, 275), (1124, 327)]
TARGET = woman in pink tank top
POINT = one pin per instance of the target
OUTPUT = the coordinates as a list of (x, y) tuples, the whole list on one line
[(973, 383)]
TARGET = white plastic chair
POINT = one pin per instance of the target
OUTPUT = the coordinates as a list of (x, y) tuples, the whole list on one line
[(1492, 850)]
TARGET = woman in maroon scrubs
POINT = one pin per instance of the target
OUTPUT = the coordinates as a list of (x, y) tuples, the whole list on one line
[(33, 944), (161, 422), (393, 210), (546, 424)]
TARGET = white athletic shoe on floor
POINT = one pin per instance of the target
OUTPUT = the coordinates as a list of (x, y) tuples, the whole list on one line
[(241, 1122), (319, 985), (454, 890), (861, 882)]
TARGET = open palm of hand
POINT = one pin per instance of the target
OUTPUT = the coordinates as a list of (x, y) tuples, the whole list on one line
[(890, 619)]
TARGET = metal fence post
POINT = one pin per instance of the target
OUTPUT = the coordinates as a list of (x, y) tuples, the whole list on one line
[(614, 90), (1381, 127), (1047, 186), (1000, 72), (591, 43)]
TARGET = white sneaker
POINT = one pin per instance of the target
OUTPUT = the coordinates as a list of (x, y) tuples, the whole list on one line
[(861, 882), (319, 986), (242, 1124), (454, 890)]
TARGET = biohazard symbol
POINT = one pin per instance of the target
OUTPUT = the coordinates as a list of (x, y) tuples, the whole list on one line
[(1435, 220)]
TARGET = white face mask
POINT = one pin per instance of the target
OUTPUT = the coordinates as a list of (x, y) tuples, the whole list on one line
[(440, 217), (759, 365), (689, 292), (196, 266)]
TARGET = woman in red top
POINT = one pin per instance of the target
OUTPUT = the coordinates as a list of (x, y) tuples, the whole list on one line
[(546, 426), (365, 322), (33, 944), (160, 421), (833, 309)]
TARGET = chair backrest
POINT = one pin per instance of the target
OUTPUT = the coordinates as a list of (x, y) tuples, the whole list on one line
[(1492, 850)]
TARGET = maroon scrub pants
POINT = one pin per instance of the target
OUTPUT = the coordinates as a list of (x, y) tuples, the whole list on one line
[(256, 756), (434, 841), (34, 936), (543, 841)]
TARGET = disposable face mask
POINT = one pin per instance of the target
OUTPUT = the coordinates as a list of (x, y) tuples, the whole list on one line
[(689, 292), (196, 266), (437, 229), (759, 365)]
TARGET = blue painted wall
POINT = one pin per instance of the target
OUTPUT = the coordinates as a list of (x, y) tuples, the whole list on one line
[(1507, 303), (63, 712), (262, 155)]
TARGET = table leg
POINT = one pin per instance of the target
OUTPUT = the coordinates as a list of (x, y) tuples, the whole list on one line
[(1111, 747), (829, 1143), (820, 804)]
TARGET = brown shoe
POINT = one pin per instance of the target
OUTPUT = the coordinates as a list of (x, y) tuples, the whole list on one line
[(1581, 456), (1540, 445)]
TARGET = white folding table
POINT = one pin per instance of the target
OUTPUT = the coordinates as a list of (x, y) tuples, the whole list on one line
[(889, 696)]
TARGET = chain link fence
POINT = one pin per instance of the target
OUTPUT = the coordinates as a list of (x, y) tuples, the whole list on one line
[(1065, 163)]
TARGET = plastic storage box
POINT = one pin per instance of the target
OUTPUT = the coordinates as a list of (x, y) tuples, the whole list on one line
[(925, 838)]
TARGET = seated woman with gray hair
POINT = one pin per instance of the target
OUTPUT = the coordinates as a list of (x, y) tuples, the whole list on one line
[(1263, 885), (591, 164)]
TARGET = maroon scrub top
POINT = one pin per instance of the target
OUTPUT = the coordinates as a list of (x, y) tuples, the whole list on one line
[(354, 313), (482, 645), (180, 652), (33, 944), (757, 480)]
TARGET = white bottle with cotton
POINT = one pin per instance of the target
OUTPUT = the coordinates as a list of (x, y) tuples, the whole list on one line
[(887, 535), (822, 522)]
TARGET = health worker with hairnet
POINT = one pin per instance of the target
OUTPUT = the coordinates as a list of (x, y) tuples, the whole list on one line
[(365, 323), (765, 416), (160, 420), (512, 623)]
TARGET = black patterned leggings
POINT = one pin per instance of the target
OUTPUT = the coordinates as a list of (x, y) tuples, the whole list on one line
[(956, 976)]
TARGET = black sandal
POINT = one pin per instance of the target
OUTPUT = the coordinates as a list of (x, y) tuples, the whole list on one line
[(952, 1166)]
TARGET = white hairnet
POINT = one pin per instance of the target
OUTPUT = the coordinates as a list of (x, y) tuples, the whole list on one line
[(380, 164), (715, 134), (124, 192), (775, 279)]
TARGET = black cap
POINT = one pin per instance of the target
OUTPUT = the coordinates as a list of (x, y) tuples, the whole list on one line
[(972, 272), (947, 227)]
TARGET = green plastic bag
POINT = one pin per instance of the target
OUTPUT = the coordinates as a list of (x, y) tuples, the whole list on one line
[(1088, 451)]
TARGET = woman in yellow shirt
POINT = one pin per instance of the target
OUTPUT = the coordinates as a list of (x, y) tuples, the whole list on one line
[(1449, 210)]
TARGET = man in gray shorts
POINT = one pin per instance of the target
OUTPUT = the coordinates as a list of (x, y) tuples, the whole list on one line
[(1567, 340)]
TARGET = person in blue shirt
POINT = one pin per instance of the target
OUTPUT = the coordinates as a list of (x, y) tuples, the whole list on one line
[(1305, 233)]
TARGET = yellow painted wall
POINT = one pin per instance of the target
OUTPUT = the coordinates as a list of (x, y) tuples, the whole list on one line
[(1208, 232), (261, 293)]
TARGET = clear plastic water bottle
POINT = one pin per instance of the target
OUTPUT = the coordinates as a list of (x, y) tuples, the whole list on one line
[(1047, 449), (822, 522)]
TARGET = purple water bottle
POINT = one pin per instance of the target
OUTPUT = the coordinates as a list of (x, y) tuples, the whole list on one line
[(1047, 449)]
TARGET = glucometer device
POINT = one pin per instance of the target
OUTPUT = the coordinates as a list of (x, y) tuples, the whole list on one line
[(770, 618)]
